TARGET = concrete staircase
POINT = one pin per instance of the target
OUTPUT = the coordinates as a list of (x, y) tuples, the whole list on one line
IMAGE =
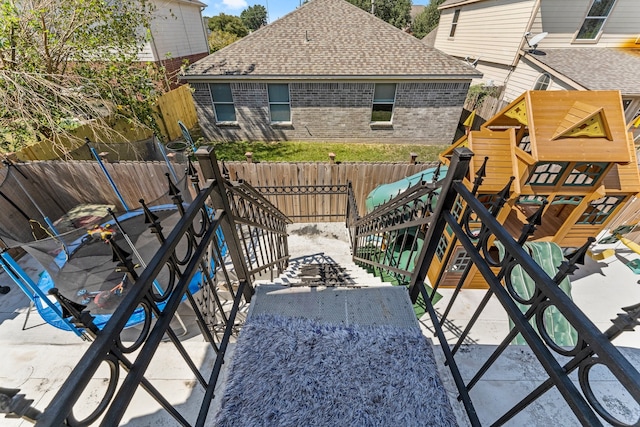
[(322, 270)]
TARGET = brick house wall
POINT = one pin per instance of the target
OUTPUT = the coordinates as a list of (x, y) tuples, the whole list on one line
[(423, 113), (172, 66)]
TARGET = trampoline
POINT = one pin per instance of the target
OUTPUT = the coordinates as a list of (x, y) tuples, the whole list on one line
[(82, 266)]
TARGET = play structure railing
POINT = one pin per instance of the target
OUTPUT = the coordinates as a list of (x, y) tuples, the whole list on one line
[(474, 225), (254, 239)]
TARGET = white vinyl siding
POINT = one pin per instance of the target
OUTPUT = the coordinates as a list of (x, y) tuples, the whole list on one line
[(493, 32), (177, 30), (146, 54), (523, 79), (562, 19), (495, 74)]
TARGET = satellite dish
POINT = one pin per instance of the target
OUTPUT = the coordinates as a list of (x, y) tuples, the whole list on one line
[(535, 40)]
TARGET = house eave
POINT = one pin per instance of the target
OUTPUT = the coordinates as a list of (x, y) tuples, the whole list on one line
[(462, 3), (195, 78)]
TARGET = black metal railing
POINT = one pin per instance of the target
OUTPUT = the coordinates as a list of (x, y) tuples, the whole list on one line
[(473, 225), (224, 268), (261, 229), (390, 238), (304, 193)]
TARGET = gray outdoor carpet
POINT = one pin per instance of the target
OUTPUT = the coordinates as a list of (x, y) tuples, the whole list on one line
[(292, 371)]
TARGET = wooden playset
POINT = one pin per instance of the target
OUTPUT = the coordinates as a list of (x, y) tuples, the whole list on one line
[(570, 149)]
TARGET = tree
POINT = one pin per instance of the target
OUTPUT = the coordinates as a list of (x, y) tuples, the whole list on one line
[(395, 12), (228, 23), (427, 20), (219, 39), (72, 62), (254, 17)]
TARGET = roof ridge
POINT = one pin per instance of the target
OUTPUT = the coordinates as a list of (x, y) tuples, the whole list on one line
[(330, 38)]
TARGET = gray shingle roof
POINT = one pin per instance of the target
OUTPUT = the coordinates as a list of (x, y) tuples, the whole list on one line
[(330, 38), (597, 68)]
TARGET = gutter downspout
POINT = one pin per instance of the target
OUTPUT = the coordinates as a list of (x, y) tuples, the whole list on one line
[(204, 30)]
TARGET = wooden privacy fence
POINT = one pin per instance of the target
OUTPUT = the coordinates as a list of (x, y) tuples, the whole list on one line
[(170, 107), (486, 105), (56, 187), (173, 106), (326, 201)]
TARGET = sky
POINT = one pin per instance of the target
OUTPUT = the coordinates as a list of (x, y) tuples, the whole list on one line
[(275, 8)]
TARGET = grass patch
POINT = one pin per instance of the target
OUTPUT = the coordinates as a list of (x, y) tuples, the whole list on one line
[(286, 151)]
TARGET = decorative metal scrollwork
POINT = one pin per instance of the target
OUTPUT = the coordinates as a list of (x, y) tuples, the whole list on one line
[(161, 291), (112, 383), (145, 309), (543, 330), (585, 384)]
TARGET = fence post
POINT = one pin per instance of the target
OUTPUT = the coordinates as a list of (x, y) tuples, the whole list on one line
[(210, 171), (457, 171)]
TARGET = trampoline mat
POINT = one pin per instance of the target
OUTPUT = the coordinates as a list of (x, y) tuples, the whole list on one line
[(87, 272)]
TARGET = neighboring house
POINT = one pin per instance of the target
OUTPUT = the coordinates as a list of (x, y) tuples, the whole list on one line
[(416, 10), (329, 71), (177, 35), (590, 45)]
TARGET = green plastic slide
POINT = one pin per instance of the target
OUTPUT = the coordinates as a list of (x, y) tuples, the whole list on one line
[(549, 256)]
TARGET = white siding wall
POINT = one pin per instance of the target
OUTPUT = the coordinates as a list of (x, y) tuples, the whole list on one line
[(492, 73), (623, 24), (146, 55), (492, 30), (524, 78), (562, 19), (177, 29)]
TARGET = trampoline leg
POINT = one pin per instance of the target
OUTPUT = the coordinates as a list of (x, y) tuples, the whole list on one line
[(182, 325), (26, 319)]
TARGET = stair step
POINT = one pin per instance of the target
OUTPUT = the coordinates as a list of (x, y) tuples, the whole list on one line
[(364, 306), (315, 270)]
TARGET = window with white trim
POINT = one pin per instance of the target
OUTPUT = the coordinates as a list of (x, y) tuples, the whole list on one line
[(222, 99), (279, 104), (454, 22), (543, 82), (384, 96), (595, 19)]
